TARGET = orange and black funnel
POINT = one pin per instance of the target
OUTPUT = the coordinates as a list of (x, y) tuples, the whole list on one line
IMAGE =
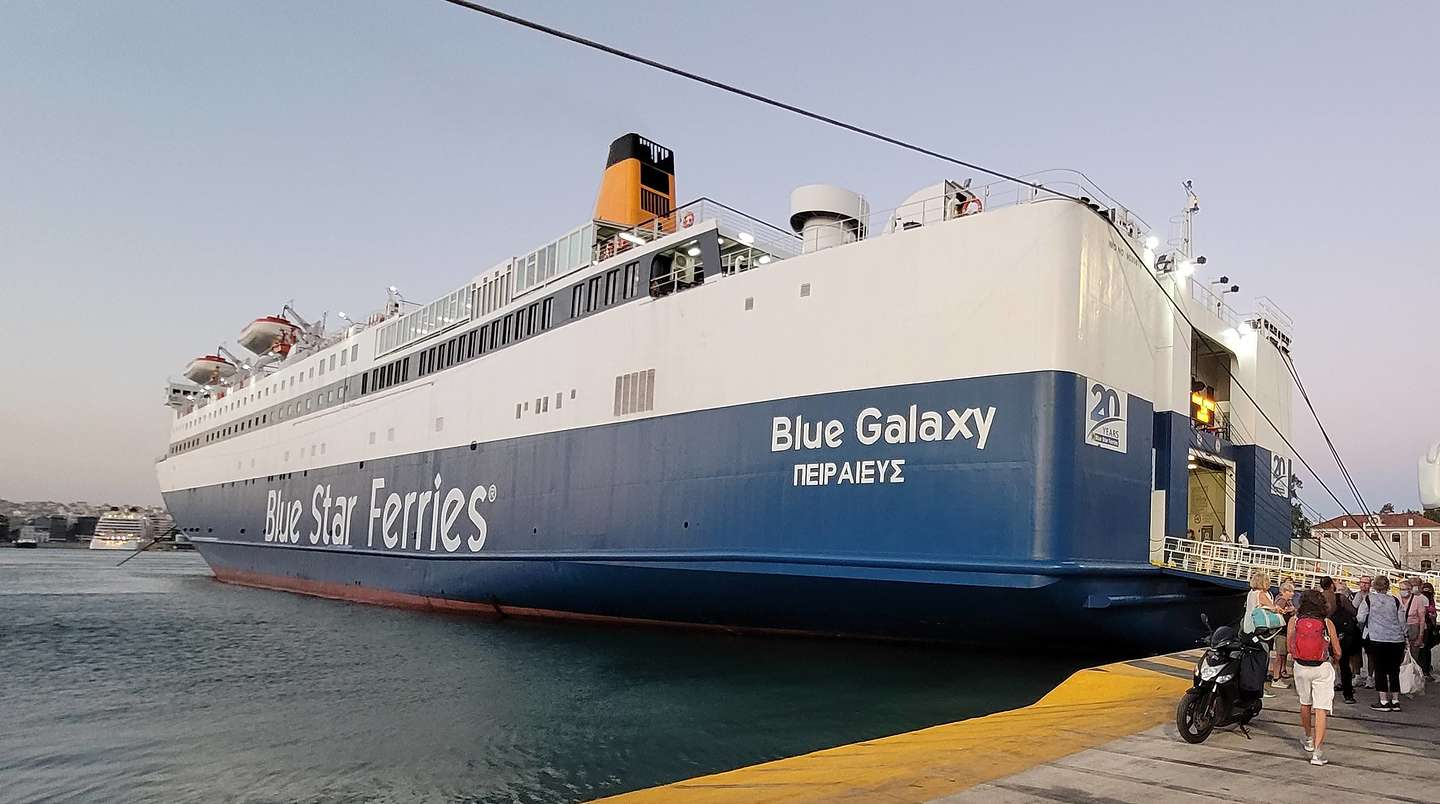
[(639, 182)]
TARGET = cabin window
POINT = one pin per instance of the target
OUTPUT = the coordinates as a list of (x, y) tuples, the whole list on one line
[(577, 297), (612, 286), (354, 353), (592, 294), (632, 280), (545, 314)]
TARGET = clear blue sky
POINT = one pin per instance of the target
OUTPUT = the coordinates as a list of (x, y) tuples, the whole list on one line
[(171, 170)]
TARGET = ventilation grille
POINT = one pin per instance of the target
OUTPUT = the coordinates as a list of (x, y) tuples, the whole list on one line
[(635, 392), (654, 203)]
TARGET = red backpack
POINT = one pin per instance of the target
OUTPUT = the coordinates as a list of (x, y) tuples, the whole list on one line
[(1312, 642)]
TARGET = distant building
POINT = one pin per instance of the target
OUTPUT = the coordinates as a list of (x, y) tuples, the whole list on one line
[(1412, 538), (83, 528), (4, 528), (36, 530)]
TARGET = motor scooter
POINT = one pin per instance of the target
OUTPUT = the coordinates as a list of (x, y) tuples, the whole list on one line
[(1217, 697)]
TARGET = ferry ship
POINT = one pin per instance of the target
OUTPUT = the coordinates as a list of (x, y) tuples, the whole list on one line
[(122, 530), (972, 417)]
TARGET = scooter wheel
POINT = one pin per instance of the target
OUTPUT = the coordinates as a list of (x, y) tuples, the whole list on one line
[(1194, 718)]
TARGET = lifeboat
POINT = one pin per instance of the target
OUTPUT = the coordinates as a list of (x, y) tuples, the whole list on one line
[(268, 334), (209, 370)]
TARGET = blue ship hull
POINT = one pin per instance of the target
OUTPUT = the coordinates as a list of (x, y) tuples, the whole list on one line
[(1000, 525)]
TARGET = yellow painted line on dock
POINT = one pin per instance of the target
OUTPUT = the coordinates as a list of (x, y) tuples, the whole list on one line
[(1090, 708)]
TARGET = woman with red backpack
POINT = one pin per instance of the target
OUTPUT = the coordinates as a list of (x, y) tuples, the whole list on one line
[(1315, 647)]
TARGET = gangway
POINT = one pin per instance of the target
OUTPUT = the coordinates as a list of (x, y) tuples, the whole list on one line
[(1233, 563)]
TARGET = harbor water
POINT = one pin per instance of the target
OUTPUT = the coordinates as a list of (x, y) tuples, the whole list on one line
[(153, 682)]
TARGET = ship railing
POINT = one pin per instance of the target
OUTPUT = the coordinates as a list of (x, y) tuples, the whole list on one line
[(1207, 298), (1236, 562), (733, 224)]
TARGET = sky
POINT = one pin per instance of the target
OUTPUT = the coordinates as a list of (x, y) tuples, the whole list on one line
[(171, 170)]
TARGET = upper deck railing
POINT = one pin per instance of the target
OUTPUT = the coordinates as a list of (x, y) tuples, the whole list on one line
[(749, 230), (1211, 301)]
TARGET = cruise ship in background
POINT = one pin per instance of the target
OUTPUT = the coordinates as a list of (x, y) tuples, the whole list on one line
[(122, 530), (974, 416)]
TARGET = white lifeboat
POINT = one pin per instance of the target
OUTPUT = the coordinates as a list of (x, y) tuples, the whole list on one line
[(209, 370), (268, 334)]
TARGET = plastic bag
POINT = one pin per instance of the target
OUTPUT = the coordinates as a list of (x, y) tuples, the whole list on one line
[(1412, 678)]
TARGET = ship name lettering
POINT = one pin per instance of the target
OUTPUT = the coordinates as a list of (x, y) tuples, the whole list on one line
[(331, 515), (282, 518), (871, 426), (862, 473), (442, 508)]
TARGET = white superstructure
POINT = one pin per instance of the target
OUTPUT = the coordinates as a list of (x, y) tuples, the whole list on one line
[(122, 530)]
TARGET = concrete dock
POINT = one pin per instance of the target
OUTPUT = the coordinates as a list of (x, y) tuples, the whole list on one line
[(1106, 734)]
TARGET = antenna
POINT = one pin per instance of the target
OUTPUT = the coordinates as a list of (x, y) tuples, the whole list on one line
[(1187, 216)]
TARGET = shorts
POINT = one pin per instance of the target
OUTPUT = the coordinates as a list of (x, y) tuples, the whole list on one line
[(1316, 685)]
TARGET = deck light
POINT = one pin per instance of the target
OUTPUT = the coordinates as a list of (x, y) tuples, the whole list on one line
[(630, 238), (764, 259), (693, 251), (746, 238)]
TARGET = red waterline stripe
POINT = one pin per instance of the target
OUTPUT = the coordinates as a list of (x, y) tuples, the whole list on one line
[(404, 600)]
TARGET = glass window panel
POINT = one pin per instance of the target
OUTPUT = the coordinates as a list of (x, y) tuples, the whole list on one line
[(550, 258), (542, 267)]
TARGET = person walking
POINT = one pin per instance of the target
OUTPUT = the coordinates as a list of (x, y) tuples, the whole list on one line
[(1256, 599), (1385, 628), (1432, 631), (1417, 608), (1316, 648), (1285, 605), (1360, 660), (1342, 615)]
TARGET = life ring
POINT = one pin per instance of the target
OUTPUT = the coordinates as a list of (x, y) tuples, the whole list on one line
[(965, 208), (687, 220)]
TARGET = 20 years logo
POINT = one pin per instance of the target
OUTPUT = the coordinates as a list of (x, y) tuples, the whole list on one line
[(1106, 416)]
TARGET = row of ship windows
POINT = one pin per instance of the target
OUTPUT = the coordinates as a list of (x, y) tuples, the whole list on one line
[(335, 361), (542, 405), (596, 293), (290, 410)]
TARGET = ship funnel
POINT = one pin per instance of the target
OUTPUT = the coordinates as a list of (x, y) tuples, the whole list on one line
[(639, 182), (825, 215)]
